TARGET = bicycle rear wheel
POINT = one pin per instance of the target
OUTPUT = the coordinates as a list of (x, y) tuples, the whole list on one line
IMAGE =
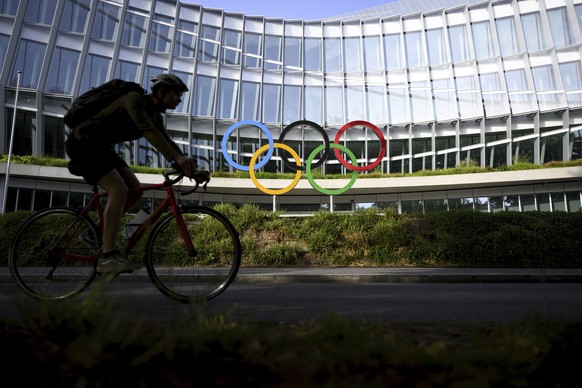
[(48, 257), (193, 276)]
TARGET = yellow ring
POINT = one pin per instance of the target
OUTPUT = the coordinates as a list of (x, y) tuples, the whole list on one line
[(284, 189)]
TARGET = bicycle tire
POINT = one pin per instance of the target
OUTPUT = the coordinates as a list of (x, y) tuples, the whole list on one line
[(46, 271), (191, 277)]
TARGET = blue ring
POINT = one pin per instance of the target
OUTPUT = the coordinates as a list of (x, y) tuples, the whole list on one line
[(254, 124)]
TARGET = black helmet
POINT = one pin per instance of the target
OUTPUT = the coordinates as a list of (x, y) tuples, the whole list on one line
[(170, 81)]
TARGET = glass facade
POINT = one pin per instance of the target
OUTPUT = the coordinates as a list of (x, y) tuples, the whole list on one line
[(488, 83)]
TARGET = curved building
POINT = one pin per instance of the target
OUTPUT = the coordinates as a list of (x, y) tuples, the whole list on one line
[(487, 83)]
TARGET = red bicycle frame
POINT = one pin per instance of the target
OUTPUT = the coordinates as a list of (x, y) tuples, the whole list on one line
[(95, 202)]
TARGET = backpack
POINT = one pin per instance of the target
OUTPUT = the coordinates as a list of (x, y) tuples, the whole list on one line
[(94, 100)]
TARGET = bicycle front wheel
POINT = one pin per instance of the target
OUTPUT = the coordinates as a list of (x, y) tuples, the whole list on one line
[(199, 275), (49, 259)]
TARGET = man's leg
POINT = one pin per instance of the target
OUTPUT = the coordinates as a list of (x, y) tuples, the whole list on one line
[(132, 183), (117, 193)]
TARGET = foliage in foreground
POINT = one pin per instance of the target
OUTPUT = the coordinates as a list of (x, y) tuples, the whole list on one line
[(93, 344), (373, 237)]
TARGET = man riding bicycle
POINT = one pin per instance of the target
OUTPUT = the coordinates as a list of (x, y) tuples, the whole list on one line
[(91, 150)]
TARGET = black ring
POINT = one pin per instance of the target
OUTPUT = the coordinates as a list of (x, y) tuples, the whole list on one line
[(319, 129)]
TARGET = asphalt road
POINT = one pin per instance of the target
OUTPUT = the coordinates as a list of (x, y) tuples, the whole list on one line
[(300, 301)]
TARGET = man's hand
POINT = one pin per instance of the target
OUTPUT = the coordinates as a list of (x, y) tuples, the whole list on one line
[(187, 164)]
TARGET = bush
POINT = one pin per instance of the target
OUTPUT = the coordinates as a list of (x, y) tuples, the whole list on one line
[(459, 238)]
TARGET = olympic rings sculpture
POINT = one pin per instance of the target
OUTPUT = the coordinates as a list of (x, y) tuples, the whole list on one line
[(326, 147)]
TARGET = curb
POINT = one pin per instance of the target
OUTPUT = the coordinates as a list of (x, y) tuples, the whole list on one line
[(383, 275)]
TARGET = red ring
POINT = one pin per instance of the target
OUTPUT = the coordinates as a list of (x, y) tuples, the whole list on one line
[(381, 137)]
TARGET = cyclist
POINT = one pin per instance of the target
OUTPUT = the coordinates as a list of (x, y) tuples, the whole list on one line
[(91, 150)]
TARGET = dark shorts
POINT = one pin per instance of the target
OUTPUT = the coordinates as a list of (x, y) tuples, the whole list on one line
[(92, 160)]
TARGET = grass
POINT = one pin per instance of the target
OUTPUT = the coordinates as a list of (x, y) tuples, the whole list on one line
[(91, 344), (375, 237)]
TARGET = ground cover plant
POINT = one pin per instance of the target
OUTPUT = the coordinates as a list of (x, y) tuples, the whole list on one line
[(91, 344), (381, 237)]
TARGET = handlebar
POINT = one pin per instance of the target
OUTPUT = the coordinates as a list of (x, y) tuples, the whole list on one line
[(201, 177)]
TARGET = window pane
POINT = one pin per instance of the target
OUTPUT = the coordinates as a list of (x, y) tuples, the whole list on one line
[(74, 16), (354, 102), (313, 104), (272, 52), (376, 107), (29, 59), (372, 53), (560, 27), (252, 46), (422, 105), (54, 137), (312, 55), (332, 55), (459, 43), (393, 52), (292, 101), (227, 96), (293, 52), (414, 49), (24, 131), (4, 39), (506, 32), (8, 7), (250, 101), (271, 103), (41, 11), (134, 30), (185, 39), (437, 54), (127, 71), (333, 105), (231, 40), (205, 92), (397, 103), (185, 104), (62, 71), (106, 21), (533, 31), (444, 99), (95, 72), (352, 62), (482, 40), (572, 79), (161, 34), (551, 148)]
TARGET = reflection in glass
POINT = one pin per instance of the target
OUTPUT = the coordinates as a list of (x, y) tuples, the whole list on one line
[(312, 57), (271, 103), (482, 40), (459, 44), (533, 31), (29, 60), (333, 59), (437, 54), (560, 27), (75, 15), (134, 30), (393, 52), (352, 62), (508, 41), (204, 98), (95, 72), (106, 21)]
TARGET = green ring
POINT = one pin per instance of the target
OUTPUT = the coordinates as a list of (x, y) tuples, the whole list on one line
[(321, 189)]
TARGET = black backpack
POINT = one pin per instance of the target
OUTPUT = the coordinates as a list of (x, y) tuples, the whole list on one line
[(94, 100)]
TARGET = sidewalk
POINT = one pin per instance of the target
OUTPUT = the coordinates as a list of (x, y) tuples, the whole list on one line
[(386, 275)]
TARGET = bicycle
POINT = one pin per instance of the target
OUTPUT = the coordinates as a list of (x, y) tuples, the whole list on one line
[(193, 259)]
